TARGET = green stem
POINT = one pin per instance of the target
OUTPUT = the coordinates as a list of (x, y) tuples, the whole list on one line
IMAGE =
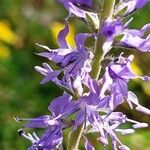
[(107, 12), (108, 9), (74, 138)]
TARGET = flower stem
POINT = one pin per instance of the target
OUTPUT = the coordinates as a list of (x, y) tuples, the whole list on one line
[(107, 12), (74, 138)]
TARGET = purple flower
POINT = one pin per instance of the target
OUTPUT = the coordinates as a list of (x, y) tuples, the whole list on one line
[(63, 106), (129, 38), (90, 105), (52, 138), (49, 74), (115, 79), (78, 2), (60, 108), (108, 124), (110, 29), (89, 108), (85, 100), (130, 6), (132, 99), (74, 62), (74, 7), (117, 73), (136, 39)]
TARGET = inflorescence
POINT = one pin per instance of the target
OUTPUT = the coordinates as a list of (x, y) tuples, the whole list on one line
[(88, 100)]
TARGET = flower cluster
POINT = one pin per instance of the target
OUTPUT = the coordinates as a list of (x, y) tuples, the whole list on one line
[(88, 101)]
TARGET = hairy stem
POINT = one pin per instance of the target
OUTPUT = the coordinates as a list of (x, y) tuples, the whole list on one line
[(107, 12), (74, 138)]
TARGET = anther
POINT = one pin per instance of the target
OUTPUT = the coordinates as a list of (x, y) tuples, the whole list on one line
[(21, 132)]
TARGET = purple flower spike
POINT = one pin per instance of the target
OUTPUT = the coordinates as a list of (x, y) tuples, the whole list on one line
[(87, 101)]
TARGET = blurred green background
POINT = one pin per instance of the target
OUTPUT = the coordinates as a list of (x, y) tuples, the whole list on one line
[(26, 22)]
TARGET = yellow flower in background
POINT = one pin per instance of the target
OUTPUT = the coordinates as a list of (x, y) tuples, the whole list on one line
[(4, 51), (146, 87), (136, 69), (7, 36), (6, 33), (55, 27)]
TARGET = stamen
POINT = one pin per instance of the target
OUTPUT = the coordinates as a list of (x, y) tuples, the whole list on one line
[(17, 119), (28, 136), (20, 132)]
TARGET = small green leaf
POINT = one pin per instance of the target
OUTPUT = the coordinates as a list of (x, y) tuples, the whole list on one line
[(118, 37), (121, 12), (92, 22)]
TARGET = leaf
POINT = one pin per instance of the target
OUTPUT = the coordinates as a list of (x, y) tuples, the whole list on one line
[(121, 12), (118, 38)]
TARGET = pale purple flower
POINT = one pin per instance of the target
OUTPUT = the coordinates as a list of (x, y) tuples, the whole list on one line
[(74, 62), (49, 74), (90, 105), (52, 138), (74, 7), (115, 79), (132, 99), (136, 39), (107, 125), (130, 6), (79, 2), (60, 108), (110, 29), (129, 38), (91, 102)]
